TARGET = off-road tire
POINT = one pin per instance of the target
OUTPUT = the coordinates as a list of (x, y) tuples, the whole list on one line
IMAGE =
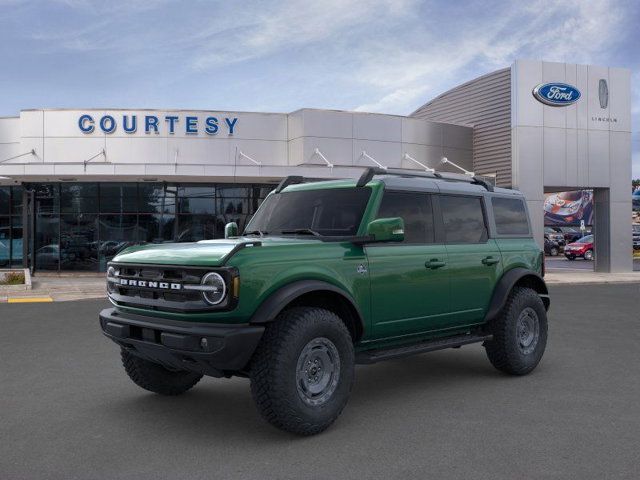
[(504, 350), (274, 367), (155, 378)]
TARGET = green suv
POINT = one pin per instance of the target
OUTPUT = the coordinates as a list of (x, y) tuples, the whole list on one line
[(327, 275)]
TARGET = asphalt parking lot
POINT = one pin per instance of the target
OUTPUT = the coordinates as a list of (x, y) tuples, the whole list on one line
[(67, 410)]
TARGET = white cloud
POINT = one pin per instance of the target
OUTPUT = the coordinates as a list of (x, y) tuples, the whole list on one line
[(292, 24), (569, 31)]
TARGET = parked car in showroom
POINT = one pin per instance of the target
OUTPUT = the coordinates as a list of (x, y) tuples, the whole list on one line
[(582, 248), (554, 234), (551, 248), (635, 201)]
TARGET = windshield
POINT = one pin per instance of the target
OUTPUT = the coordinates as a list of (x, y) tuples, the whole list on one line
[(331, 212), (587, 239)]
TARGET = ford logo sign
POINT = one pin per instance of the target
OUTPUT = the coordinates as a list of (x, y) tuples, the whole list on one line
[(556, 94)]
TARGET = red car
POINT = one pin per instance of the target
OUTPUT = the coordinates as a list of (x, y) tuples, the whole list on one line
[(581, 248)]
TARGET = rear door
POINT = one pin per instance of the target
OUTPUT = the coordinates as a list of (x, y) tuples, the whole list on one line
[(475, 263), (409, 280)]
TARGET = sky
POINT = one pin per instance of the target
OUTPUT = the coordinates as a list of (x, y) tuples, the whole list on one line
[(388, 56)]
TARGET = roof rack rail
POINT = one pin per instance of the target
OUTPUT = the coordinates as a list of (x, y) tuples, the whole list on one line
[(290, 180), (371, 172)]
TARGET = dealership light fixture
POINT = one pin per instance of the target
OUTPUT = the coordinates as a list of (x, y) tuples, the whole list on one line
[(319, 153), (244, 155), (364, 154), (445, 160), (426, 169), (31, 152), (101, 152)]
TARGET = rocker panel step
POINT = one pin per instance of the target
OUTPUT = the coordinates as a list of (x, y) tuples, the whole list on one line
[(373, 356)]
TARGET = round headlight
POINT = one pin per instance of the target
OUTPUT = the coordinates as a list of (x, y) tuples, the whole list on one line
[(111, 272), (216, 290)]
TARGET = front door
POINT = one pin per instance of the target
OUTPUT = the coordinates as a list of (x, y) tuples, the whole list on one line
[(409, 280)]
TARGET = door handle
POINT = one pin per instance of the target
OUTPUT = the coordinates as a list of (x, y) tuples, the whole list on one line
[(490, 260), (434, 263)]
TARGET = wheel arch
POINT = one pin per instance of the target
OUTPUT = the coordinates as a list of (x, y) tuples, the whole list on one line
[(313, 293), (516, 277)]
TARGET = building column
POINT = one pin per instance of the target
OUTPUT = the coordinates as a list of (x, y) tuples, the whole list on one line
[(612, 231)]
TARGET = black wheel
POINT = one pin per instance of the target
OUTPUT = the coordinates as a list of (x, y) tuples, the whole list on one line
[(519, 333), (156, 378), (302, 371), (554, 252), (588, 255)]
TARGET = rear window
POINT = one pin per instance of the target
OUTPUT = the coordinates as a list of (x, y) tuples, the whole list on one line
[(510, 215)]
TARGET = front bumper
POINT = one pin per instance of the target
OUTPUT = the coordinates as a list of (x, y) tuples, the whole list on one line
[(209, 349)]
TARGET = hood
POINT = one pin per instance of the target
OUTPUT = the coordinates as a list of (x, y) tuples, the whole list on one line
[(579, 244), (209, 253)]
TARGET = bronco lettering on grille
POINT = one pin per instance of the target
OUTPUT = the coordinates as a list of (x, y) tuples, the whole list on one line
[(148, 284)]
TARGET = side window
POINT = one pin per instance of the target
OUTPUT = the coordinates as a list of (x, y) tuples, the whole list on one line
[(415, 209), (463, 219), (510, 215)]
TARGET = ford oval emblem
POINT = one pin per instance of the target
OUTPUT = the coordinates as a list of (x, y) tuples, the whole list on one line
[(556, 94)]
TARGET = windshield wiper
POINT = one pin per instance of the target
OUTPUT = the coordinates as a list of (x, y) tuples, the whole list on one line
[(302, 231), (256, 232)]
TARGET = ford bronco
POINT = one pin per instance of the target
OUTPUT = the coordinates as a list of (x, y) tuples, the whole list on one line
[(331, 274)]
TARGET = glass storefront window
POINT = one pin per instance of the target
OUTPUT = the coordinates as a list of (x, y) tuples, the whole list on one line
[(116, 232), (79, 242), (16, 241), (192, 228), (5, 241), (83, 225), (5, 200), (152, 198), (198, 205), (10, 227), (118, 198), (47, 199), (16, 200), (233, 191), (79, 198), (233, 206), (47, 246), (149, 228), (196, 191)]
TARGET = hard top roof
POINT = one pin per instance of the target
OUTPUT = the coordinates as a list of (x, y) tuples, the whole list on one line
[(409, 180)]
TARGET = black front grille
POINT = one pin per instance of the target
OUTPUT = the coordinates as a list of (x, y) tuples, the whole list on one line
[(151, 295)]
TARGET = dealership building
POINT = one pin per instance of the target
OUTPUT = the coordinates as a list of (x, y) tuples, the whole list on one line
[(78, 185)]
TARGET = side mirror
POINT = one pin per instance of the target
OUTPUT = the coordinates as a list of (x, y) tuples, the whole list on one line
[(386, 229), (231, 230)]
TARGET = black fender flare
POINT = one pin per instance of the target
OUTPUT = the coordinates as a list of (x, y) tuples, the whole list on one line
[(507, 282), (278, 300)]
